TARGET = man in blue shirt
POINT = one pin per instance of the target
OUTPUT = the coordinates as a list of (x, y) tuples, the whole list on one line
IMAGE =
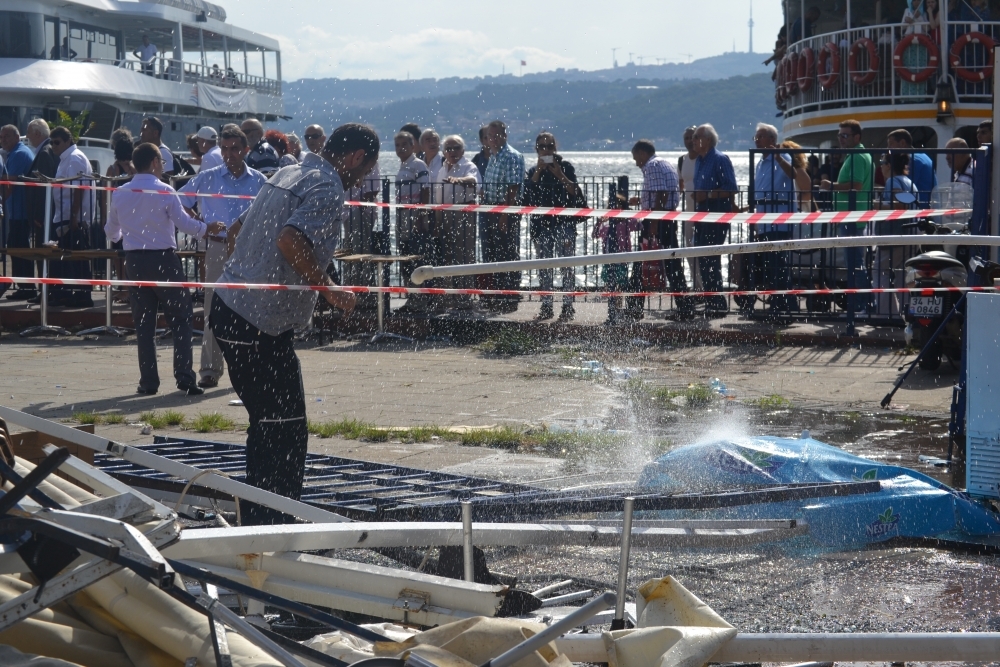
[(714, 190), (774, 192), (19, 159), (921, 166), (234, 177)]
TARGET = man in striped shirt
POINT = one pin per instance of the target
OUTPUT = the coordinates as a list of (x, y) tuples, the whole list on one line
[(661, 192), (501, 233)]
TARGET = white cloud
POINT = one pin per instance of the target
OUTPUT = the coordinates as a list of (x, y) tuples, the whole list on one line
[(431, 52)]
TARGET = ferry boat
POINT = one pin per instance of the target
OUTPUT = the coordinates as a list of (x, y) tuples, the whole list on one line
[(856, 61), (80, 56)]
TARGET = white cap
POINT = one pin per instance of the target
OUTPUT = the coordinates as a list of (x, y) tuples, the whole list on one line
[(208, 133)]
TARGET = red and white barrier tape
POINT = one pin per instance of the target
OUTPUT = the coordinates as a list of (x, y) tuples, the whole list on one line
[(816, 218), (363, 289)]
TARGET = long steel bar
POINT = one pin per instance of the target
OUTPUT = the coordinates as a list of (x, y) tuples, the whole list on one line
[(215, 609), (149, 460), (209, 542), (425, 273), (837, 647), (467, 556), (619, 620)]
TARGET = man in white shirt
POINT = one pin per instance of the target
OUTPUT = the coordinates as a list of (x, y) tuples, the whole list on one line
[(145, 223), (145, 54), (72, 213), (234, 177), (457, 182), (208, 144), (412, 228), (430, 144), (152, 133), (685, 169)]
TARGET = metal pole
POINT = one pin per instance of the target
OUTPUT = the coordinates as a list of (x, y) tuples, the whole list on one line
[(618, 623), (44, 305), (995, 162), (425, 273), (550, 633), (467, 541)]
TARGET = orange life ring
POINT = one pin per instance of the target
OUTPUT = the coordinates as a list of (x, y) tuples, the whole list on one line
[(932, 58), (830, 53), (791, 72), (806, 69), (968, 73), (866, 77)]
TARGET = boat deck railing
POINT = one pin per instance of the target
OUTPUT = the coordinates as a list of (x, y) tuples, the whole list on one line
[(188, 72), (860, 66)]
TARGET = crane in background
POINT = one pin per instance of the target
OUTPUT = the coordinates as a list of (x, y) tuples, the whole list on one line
[(614, 61), (689, 55)]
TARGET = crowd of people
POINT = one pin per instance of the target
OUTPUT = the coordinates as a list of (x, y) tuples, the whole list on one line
[(240, 159)]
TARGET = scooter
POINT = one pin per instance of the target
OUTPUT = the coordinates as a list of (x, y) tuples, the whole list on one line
[(924, 314)]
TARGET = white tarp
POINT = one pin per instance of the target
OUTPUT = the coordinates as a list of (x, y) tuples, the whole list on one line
[(225, 100)]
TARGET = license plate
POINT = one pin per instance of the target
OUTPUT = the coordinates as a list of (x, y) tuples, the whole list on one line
[(925, 305)]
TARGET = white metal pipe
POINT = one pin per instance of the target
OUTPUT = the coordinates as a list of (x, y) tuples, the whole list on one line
[(623, 557), (535, 642), (552, 588), (425, 273), (827, 647), (207, 542), (179, 470), (467, 541), (561, 600)]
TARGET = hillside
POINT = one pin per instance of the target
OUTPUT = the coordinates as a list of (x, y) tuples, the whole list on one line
[(306, 99), (585, 115)]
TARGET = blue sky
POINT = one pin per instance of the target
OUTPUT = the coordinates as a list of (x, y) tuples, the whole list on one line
[(377, 39)]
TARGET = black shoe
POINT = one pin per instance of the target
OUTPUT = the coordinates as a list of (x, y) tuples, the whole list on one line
[(79, 302), (546, 313), (145, 391), (567, 314), (208, 383), (191, 389), (22, 295)]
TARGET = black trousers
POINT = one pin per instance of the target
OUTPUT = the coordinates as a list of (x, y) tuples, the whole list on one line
[(774, 272), (78, 239), (19, 233), (267, 377), (710, 233), (175, 302), (501, 245)]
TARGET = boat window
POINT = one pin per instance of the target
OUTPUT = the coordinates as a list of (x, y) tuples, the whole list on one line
[(22, 35)]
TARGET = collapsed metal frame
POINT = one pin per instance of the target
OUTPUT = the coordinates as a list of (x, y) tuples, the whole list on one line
[(365, 491)]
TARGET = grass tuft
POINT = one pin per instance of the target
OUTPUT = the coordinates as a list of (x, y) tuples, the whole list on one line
[(771, 402), (173, 417), (154, 419), (88, 417), (698, 394), (212, 422)]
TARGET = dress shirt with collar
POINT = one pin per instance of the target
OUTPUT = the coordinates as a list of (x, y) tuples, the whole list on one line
[(774, 191), (220, 181), (73, 163), (263, 158), (433, 167), (658, 175), (308, 197), (146, 221), (505, 169), (714, 171), (211, 159), (169, 166), (411, 179), (452, 193)]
